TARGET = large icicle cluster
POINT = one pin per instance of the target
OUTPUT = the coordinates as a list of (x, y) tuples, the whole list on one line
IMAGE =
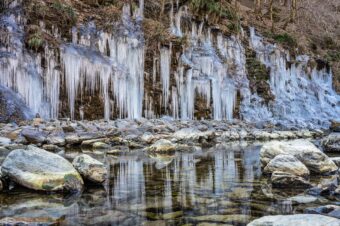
[(22, 71), (210, 68), (204, 71), (303, 94), (114, 63)]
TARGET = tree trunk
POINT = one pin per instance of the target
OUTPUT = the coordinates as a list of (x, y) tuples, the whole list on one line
[(271, 14), (293, 11)]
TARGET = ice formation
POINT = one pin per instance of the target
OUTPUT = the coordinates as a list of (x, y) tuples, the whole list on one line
[(304, 95), (210, 67)]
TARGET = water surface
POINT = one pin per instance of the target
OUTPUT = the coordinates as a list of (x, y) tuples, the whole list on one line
[(221, 185)]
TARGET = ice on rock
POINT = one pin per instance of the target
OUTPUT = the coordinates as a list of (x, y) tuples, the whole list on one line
[(304, 96)]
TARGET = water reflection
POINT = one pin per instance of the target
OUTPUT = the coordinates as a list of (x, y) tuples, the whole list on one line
[(219, 185)]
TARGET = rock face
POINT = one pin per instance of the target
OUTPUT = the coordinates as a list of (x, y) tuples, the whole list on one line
[(283, 180), (305, 151), (38, 169), (287, 164), (331, 143), (298, 219), (90, 168)]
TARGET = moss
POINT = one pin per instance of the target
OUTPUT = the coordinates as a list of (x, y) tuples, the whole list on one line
[(258, 76), (285, 39)]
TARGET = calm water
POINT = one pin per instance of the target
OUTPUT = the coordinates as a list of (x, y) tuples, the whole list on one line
[(222, 185)]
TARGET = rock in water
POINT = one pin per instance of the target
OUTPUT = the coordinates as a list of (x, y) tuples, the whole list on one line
[(298, 219), (287, 164), (90, 168), (38, 169), (331, 143), (163, 146), (305, 151)]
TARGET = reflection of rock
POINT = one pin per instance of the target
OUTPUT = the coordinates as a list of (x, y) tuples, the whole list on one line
[(36, 209), (298, 219), (331, 143), (281, 180), (41, 170), (326, 186), (303, 150), (232, 219), (162, 160), (287, 164), (329, 210), (90, 168)]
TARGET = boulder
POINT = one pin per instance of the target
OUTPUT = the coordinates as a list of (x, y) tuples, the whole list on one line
[(4, 141), (162, 146), (57, 138), (34, 136), (297, 219), (328, 210), (90, 168), (331, 143), (193, 134), (287, 164), (38, 169), (305, 151), (284, 180)]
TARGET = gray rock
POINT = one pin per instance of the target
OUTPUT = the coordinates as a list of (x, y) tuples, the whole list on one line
[(193, 134), (331, 143), (34, 136), (305, 151), (297, 219), (72, 138), (4, 141), (90, 168), (287, 164), (163, 146), (38, 169), (56, 139), (283, 180), (328, 210)]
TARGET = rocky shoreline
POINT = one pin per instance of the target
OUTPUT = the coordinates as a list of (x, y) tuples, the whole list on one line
[(36, 158)]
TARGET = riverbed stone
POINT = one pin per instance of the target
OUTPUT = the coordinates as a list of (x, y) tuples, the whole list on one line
[(288, 164), (305, 151), (297, 219), (34, 136), (336, 160), (4, 141), (331, 143), (193, 134), (90, 168), (38, 169), (57, 138), (163, 145), (284, 180)]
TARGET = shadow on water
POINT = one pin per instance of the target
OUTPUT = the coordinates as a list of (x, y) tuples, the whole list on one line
[(222, 185)]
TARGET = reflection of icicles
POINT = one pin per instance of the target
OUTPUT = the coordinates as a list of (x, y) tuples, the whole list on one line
[(165, 63), (129, 183)]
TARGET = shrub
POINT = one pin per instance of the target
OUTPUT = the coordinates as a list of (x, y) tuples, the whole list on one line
[(285, 39)]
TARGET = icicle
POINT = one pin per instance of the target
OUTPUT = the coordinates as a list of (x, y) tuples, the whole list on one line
[(165, 63)]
